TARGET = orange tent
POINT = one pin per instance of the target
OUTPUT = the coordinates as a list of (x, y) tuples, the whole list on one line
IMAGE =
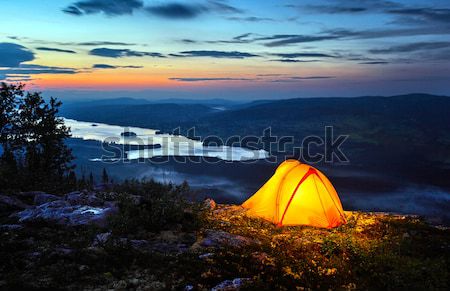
[(297, 194)]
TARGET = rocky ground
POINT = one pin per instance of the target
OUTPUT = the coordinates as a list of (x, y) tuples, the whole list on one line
[(101, 240)]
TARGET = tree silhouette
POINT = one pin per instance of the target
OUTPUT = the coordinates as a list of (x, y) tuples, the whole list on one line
[(105, 177), (32, 138)]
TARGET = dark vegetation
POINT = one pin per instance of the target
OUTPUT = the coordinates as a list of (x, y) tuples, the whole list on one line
[(33, 153)]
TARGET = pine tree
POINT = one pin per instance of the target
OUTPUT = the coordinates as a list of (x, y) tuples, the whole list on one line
[(32, 138), (91, 180), (105, 177), (47, 158)]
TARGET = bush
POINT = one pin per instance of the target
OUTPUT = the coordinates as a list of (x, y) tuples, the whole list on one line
[(152, 206)]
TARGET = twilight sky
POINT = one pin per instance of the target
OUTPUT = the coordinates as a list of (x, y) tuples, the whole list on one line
[(228, 49)]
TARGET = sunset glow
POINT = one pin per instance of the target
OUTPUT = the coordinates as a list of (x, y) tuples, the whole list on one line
[(312, 48)]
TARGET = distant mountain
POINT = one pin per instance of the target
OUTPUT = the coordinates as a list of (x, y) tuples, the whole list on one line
[(158, 116), (139, 101), (211, 102)]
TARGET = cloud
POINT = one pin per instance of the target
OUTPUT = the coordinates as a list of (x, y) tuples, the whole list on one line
[(312, 77), (120, 53), (296, 79), (209, 79), (55, 50), (108, 7), (294, 61), (220, 6), (97, 43), (23, 72), (283, 40), (105, 66), (425, 14), (270, 75), (303, 55), (177, 10), (412, 47), (374, 63), (251, 19), (407, 13), (216, 54), (348, 6), (171, 10), (12, 67), (12, 55), (87, 43), (337, 9), (37, 69)]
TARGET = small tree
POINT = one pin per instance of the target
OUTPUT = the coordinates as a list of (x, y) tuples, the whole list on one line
[(105, 177), (91, 180), (10, 96)]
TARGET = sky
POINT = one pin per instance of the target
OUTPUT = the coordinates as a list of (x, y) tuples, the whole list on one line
[(226, 49)]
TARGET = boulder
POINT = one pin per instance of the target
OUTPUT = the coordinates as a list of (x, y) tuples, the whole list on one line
[(9, 227), (101, 238), (29, 194), (219, 238), (12, 203), (83, 198), (229, 285), (64, 212), (41, 198)]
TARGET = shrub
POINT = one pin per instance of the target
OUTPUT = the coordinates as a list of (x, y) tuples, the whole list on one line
[(152, 206)]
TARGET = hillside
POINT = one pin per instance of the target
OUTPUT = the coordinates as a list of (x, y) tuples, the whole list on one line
[(152, 239)]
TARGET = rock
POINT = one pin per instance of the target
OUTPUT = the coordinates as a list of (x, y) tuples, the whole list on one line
[(41, 198), (83, 198), (205, 256), (12, 202), (101, 238), (139, 244), (8, 227), (134, 281), (102, 187), (218, 238), (168, 235), (156, 285), (209, 204), (30, 194), (229, 285), (64, 212), (63, 251), (122, 284), (168, 248)]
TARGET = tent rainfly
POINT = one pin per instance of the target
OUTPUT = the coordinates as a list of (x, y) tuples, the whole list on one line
[(297, 194)]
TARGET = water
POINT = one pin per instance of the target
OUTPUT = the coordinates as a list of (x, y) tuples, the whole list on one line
[(167, 144)]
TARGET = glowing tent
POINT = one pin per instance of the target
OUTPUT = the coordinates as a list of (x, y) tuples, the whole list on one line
[(297, 194)]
